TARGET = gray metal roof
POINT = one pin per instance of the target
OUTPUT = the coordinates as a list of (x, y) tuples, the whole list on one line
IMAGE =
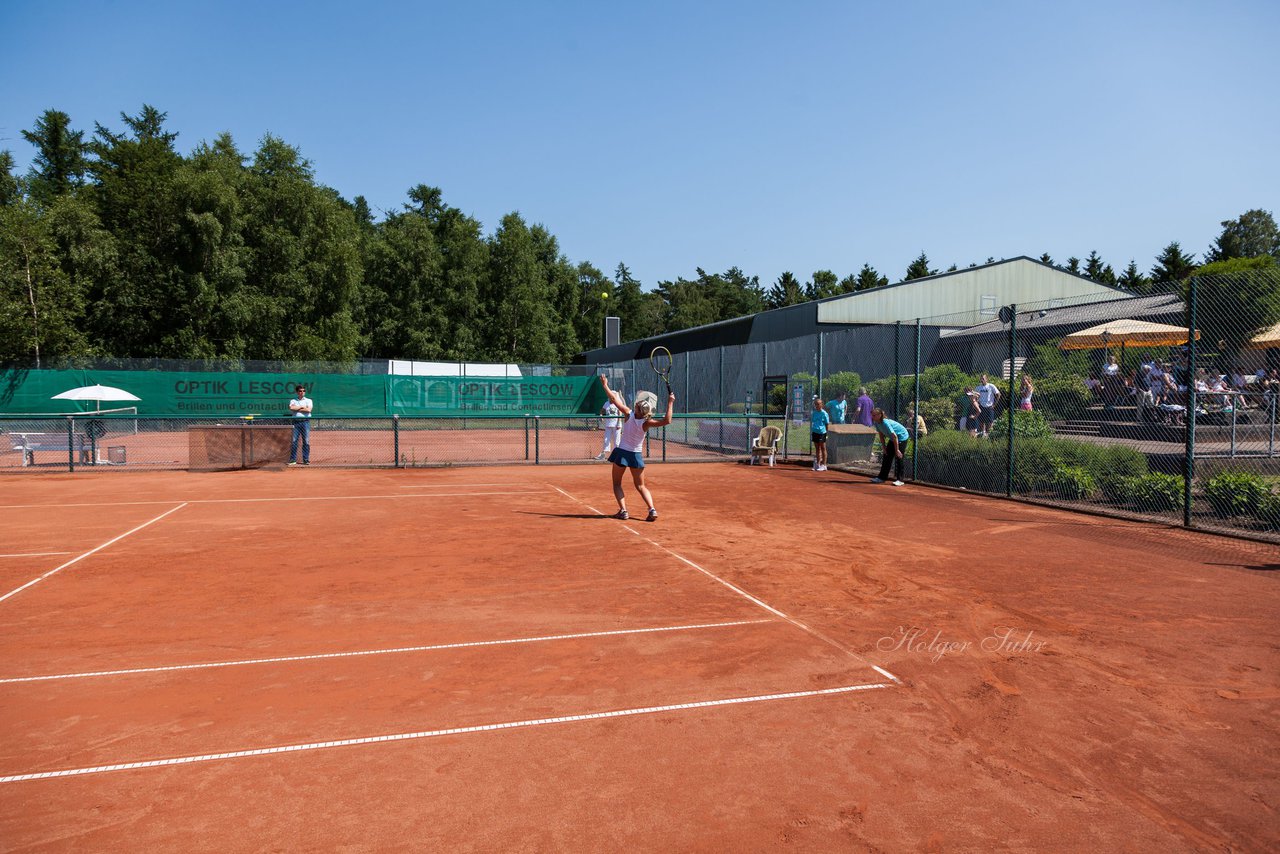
[(1160, 308)]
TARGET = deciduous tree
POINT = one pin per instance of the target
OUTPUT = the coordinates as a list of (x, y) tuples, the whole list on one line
[(1252, 234)]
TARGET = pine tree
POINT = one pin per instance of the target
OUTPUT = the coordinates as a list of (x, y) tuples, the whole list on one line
[(60, 163), (10, 185), (785, 291), (823, 284), (1095, 269), (1073, 265), (919, 269), (1172, 264), (1133, 280), (868, 278)]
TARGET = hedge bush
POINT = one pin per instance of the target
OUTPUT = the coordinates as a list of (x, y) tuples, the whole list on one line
[(938, 414), (957, 459), (1073, 483), (1241, 493), (1026, 425), (1153, 491), (937, 382), (842, 381), (1061, 398)]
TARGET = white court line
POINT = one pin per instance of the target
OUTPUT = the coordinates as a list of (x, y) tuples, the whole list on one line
[(442, 485), (91, 551), (37, 554), (256, 500), (319, 656), (409, 736), (740, 591)]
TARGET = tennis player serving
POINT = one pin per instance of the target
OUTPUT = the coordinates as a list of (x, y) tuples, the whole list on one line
[(629, 454)]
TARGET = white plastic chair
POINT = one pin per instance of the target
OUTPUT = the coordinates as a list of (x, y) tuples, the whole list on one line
[(766, 444)]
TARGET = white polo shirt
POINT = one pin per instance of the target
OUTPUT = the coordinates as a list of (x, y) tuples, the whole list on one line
[(301, 407)]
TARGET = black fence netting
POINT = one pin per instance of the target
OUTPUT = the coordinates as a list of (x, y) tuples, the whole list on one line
[(115, 443), (1161, 406)]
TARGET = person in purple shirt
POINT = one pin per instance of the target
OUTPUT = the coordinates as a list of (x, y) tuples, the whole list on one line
[(862, 413)]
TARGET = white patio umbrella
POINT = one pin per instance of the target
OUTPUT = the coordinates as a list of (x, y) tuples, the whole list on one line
[(96, 393)]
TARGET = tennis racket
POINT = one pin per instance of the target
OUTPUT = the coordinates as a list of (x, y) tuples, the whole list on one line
[(660, 359)]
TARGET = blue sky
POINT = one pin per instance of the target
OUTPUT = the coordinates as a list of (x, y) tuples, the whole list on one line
[(671, 136)]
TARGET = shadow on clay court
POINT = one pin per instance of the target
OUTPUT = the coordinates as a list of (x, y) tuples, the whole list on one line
[(1259, 567), (564, 515)]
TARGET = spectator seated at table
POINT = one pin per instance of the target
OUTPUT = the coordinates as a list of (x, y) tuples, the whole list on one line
[(1094, 385)]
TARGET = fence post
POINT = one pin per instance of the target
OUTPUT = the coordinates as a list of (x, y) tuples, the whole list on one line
[(1233, 431), (764, 372), (821, 363), (687, 403), (395, 434), (1271, 442), (71, 444), (1189, 469), (537, 442), (915, 409), (1013, 370), (897, 369), (720, 387)]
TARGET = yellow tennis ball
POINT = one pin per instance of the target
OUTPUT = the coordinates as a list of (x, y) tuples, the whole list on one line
[(604, 295)]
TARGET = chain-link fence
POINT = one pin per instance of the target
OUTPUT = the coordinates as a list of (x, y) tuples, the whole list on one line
[(1162, 406), (127, 443), (1115, 406)]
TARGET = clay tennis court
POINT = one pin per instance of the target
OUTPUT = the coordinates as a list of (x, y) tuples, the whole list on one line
[(478, 659)]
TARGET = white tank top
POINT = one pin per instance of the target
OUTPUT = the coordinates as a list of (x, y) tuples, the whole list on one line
[(632, 434)]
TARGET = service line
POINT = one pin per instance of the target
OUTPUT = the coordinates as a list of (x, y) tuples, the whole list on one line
[(37, 554), (744, 594), (74, 560), (402, 649), (259, 500), (409, 736), (442, 485)]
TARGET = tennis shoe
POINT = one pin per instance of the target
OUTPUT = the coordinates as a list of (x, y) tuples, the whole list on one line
[(877, 480), (621, 514), (599, 457), (653, 515), (292, 463), (898, 483)]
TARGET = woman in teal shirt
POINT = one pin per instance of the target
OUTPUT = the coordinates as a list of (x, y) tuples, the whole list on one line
[(892, 437)]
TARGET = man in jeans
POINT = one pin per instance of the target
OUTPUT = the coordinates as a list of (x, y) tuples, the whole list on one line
[(988, 396), (300, 406)]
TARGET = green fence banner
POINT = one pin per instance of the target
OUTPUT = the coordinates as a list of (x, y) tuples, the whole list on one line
[(164, 393), (515, 395)]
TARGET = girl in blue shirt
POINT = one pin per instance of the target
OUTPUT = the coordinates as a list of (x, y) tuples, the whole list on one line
[(819, 423)]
